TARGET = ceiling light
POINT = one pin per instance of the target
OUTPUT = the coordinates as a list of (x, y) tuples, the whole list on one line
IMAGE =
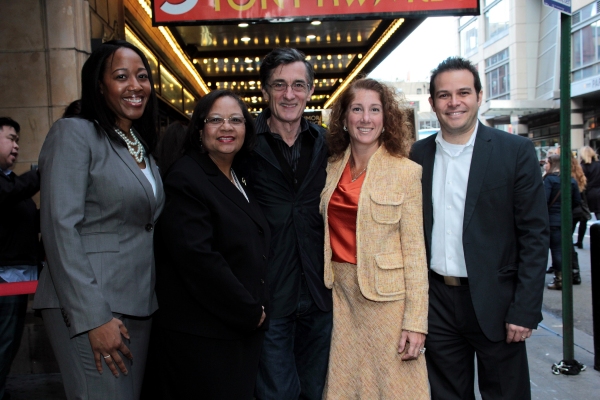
[(243, 25), (245, 39), (310, 37), (248, 60), (316, 23), (252, 87), (195, 61), (252, 82), (249, 69)]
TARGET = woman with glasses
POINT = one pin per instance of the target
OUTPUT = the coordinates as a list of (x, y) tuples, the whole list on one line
[(211, 254)]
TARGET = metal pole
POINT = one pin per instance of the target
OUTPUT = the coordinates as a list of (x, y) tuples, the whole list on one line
[(565, 186)]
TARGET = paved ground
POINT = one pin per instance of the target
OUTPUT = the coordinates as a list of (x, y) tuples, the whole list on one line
[(35, 373)]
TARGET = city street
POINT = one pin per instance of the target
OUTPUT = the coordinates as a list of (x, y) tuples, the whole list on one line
[(35, 374)]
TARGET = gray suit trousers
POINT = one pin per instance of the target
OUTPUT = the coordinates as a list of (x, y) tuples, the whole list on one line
[(81, 379)]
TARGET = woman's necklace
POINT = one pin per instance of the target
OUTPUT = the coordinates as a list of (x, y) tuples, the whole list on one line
[(355, 177), (138, 155)]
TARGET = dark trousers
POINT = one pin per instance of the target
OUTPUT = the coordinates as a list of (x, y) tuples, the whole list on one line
[(455, 339), (293, 362), (555, 248), (12, 322)]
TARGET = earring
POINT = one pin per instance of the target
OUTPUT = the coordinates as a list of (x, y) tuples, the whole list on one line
[(346, 129), (383, 130), (200, 138)]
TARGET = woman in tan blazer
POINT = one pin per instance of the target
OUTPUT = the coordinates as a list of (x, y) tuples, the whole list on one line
[(374, 250)]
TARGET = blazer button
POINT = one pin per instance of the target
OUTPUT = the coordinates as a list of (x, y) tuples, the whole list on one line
[(262, 281), (149, 227)]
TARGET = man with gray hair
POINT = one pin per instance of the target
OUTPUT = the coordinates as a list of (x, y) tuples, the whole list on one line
[(287, 174)]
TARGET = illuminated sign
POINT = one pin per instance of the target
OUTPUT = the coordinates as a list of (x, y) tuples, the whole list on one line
[(167, 12)]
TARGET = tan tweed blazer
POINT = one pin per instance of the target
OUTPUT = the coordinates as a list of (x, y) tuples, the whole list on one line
[(391, 261)]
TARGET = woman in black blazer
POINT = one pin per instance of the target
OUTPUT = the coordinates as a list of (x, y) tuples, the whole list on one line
[(211, 250)]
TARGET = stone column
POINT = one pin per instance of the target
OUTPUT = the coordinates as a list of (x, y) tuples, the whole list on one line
[(42, 48)]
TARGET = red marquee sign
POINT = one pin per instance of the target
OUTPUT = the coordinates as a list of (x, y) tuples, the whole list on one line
[(167, 12)]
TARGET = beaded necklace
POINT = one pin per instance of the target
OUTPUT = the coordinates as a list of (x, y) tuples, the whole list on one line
[(138, 155)]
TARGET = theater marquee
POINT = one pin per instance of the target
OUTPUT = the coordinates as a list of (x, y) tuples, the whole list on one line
[(167, 12)]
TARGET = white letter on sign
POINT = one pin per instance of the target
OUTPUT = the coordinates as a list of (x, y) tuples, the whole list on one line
[(181, 8)]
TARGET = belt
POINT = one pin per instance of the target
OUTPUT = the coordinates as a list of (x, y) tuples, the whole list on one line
[(450, 280)]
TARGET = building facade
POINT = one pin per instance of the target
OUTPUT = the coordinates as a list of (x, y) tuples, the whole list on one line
[(516, 46), (44, 44)]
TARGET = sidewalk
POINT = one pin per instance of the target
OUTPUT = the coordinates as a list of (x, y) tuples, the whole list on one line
[(544, 348)]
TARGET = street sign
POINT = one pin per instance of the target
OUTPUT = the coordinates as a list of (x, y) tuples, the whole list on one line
[(563, 6)]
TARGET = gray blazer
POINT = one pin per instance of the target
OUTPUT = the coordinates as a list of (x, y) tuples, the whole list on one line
[(97, 220)]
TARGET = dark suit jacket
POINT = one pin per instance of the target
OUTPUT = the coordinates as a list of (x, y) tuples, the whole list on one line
[(211, 253), (296, 224), (505, 228), (20, 220)]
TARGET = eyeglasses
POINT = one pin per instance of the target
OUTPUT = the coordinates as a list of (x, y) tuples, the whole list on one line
[(218, 121), (300, 87)]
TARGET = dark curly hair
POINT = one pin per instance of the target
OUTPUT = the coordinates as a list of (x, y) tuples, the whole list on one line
[(397, 136)]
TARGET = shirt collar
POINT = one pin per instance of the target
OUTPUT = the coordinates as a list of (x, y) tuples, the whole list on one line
[(440, 140), (262, 127), (7, 172)]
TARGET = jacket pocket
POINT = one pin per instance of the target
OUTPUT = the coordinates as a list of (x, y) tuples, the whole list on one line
[(100, 242), (386, 208), (389, 275), (508, 273)]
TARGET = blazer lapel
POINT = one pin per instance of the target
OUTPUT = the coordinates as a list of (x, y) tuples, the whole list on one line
[(481, 155), (229, 190), (262, 149), (124, 155), (427, 163)]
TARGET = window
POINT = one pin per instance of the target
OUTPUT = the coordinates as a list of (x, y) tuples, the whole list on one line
[(585, 40), (497, 76), (468, 39), (419, 91), (496, 19)]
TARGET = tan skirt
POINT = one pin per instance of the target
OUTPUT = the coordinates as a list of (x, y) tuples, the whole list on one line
[(364, 362)]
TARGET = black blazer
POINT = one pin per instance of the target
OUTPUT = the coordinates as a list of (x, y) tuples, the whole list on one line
[(211, 253), (505, 228)]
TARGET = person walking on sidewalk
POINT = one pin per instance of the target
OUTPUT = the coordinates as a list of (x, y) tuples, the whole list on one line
[(552, 190)]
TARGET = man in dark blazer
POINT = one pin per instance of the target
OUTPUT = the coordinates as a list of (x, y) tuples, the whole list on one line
[(287, 175), (486, 233), (19, 227)]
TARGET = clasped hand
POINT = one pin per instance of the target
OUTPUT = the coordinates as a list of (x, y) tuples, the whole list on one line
[(416, 342), (108, 345)]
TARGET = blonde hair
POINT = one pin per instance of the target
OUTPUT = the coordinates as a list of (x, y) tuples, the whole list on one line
[(577, 174), (587, 155)]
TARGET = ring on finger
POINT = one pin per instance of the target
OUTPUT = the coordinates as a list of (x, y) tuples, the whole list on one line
[(105, 357), (422, 351)]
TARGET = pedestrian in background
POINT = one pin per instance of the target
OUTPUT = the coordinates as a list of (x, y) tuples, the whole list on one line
[(19, 227), (583, 215), (374, 250), (553, 194), (100, 196), (170, 146), (591, 169)]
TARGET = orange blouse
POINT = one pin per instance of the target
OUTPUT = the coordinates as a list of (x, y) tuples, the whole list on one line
[(341, 211)]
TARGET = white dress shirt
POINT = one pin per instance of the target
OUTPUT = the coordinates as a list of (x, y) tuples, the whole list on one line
[(449, 191)]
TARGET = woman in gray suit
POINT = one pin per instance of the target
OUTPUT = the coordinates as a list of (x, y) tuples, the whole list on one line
[(101, 194)]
